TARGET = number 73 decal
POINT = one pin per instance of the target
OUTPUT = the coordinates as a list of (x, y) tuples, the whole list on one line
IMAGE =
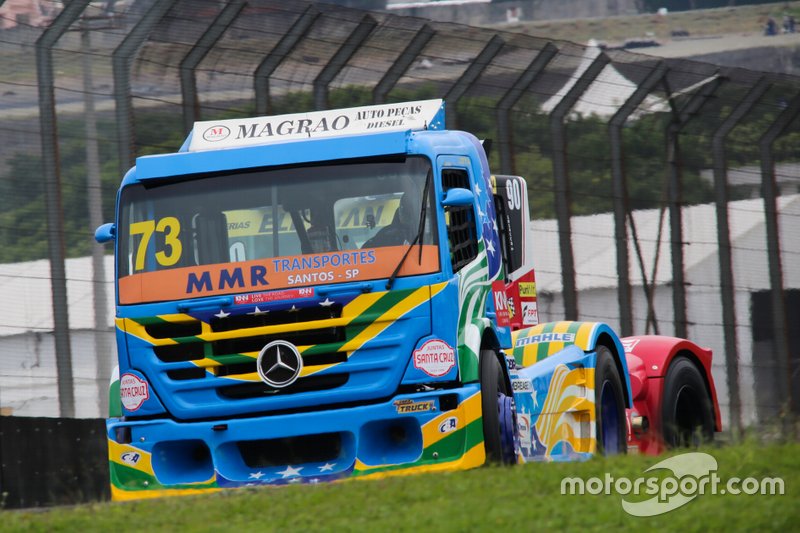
[(171, 228)]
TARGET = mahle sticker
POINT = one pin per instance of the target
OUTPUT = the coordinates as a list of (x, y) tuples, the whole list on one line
[(435, 358), (133, 391)]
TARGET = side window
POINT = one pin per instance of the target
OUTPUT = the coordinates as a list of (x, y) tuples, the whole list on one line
[(461, 231)]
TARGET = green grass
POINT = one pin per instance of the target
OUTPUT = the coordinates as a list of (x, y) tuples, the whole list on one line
[(494, 499)]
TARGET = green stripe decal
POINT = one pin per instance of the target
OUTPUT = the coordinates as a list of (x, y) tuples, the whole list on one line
[(543, 348)]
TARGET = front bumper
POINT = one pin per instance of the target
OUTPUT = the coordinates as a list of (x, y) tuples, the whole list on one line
[(429, 431)]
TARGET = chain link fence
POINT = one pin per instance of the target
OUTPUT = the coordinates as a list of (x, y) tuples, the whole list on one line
[(664, 191)]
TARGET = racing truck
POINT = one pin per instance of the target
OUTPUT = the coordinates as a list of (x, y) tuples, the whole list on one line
[(350, 293)]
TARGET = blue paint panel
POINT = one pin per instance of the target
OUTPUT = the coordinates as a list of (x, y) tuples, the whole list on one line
[(297, 152)]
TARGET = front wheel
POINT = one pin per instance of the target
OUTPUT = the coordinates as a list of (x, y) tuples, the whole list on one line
[(609, 406), (499, 424), (687, 415)]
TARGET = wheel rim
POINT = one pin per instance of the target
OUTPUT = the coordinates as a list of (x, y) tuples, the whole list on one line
[(505, 412), (609, 411)]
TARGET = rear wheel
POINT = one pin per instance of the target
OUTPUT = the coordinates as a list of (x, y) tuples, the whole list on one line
[(611, 426), (499, 424), (687, 415)]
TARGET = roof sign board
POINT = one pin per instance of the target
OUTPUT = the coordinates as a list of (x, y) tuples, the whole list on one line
[(234, 133)]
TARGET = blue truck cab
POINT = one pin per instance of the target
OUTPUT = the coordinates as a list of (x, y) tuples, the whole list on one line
[(340, 293)]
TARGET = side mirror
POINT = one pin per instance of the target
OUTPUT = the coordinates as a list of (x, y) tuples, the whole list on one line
[(105, 233), (458, 198)]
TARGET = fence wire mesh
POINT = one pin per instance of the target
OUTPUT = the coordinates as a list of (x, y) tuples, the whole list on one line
[(664, 192)]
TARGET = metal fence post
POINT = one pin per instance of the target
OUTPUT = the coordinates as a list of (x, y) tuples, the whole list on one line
[(561, 181), (724, 238), (769, 190), (340, 59), (675, 198), (280, 52), (402, 64), (469, 76), (510, 99), (121, 66), (215, 30), (52, 197), (620, 191)]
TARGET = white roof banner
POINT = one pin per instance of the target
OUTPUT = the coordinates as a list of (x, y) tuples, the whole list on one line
[(418, 115)]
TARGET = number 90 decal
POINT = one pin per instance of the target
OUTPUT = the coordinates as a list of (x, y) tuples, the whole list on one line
[(171, 228)]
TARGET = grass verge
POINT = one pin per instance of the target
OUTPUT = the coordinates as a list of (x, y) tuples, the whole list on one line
[(494, 499)]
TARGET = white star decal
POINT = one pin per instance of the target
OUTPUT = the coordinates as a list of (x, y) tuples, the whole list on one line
[(258, 312), (290, 471), (480, 213), (256, 475), (490, 247), (478, 189), (327, 467), (222, 314), (293, 309), (494, 225), (327, 303)]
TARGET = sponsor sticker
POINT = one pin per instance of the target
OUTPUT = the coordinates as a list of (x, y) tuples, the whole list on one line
[(629, 344), (527, 289), (133, 391), (524, 424), (448, 424), (521, 385), (216, 133), (436, 358), (410, 406), (275, 296), (530, 314), (130, 458), (546, 337), (501, 303)]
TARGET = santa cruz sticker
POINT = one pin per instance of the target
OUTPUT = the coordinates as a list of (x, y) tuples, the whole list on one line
[(435, 358), (133, 391)]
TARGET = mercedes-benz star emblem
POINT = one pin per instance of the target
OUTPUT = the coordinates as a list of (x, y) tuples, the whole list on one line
[(279, 364)]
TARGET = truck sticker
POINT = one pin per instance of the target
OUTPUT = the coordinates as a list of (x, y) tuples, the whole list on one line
[(133, 391), (410, 406), (276, 273), (436, 358)]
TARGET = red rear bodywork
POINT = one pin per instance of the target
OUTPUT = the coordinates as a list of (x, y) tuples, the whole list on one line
[(649, 357)]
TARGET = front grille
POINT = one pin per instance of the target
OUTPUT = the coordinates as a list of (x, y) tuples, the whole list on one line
[(258, 390), (236, 356), (298, 338), (204, 363)]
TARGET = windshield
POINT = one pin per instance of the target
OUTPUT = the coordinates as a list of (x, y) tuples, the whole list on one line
[(272, 229)]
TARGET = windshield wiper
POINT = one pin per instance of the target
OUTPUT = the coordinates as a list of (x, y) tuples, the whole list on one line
[(420, 231)]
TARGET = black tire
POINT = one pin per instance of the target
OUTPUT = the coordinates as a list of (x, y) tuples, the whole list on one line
[(610, 423), (687, 416), (492, 382)]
